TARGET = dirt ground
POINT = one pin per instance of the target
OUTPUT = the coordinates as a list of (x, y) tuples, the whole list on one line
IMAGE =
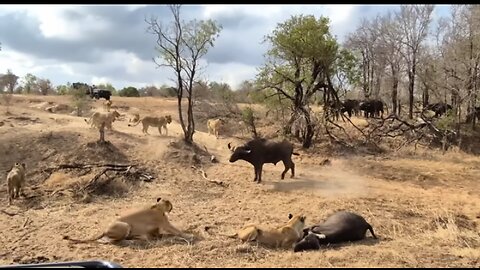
[(424, 207)]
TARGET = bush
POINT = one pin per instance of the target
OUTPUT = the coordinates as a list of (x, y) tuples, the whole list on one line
[(129, 92), (249, 119), (80, 100)]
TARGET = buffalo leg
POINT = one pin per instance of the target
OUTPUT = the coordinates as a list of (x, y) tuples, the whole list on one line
[(292, 167), (259, 178), (288, 165)]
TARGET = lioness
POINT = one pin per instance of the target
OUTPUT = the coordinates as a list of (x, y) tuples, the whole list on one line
[(214, 125), (144, 224), (15, 181), (135, 118), (159, 122), (107, 104), (285, 236), (98, 118)]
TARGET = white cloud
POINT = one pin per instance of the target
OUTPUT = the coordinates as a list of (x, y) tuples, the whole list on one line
[(54, 23), (231, 73), (100, 80), (124, 68)]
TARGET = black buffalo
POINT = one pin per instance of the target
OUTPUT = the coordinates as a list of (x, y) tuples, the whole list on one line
[(439, 108), (351, 106), (334, 108), (260, 151), (372, 108), (340, 227)]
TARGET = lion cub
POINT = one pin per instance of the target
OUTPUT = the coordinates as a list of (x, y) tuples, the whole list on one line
[(143, 224), (15, 181), (284, 236)]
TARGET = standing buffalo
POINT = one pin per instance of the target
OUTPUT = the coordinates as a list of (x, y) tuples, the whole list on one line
[(351, 106), (259, 151), (439, 108), (372, 108), (340, 227), (334, 108)]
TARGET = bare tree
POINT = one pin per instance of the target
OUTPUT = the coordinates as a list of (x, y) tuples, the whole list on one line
[(390, 50), (180, 46), (363, 40), (414, 21)]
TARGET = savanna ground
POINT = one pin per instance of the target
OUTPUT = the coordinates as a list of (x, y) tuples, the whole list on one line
[(423, 206)]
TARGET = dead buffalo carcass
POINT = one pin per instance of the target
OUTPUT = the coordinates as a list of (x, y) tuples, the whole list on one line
[(260, 151), (340, 227)]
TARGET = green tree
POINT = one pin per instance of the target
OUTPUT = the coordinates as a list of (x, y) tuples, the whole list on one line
[(301, 62), (62, 89), (180, 46), (221, 91), (44, 86), (29, 83), (129, 92), (10, 80), (80, 99)]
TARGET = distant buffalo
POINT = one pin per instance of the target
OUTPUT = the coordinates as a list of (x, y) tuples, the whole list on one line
[(260, 151), (372, 108), (439, 108), (351, 106)]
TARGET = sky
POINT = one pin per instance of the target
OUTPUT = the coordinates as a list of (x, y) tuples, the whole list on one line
[(110, 44)]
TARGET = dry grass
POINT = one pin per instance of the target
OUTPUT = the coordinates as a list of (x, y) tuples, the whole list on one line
[(423, 206)]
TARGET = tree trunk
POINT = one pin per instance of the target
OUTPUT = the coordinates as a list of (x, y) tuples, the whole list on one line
[(410, 94), (191, 123), (309, 131), (425, 96), (394, 90), (364, 84)]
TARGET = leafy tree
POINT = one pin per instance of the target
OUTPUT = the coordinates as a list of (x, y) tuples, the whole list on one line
[(129, 92), (301, 62), (62, 89), (44, 86), (29, 83), (10, 81), (80, 99)]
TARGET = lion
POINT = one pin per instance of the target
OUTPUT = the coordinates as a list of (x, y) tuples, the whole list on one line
[(98, 118), (214, 125), (144, 224), (135, 118), (159, 122), (107, 104), (15, 181), (283, 237)]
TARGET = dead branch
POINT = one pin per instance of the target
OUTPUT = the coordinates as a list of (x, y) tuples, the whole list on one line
[(86, 166), (10, 214), (94, 180), (26, 221), (204, 175)]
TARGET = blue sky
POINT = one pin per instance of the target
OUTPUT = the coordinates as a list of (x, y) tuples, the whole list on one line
[(109, 43)]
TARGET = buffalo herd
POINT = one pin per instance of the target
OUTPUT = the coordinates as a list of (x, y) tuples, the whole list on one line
[(374, 108), (371, 108)]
